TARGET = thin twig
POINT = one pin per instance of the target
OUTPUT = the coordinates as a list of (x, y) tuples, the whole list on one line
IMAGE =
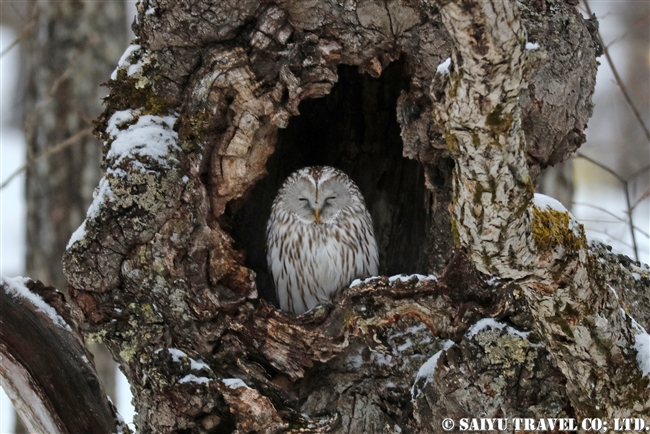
[(644, 196), (33, 114), (619, 219), (51, 151), (628, 201), (20, 36), (602, 166), (618, 240), (639, 172), (629, 29)]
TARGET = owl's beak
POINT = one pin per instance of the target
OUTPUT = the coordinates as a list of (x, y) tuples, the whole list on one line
[(317, 216)]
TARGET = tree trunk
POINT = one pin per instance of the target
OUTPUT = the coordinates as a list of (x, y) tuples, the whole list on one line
[(59, 391), (72, 47), (217, 102)]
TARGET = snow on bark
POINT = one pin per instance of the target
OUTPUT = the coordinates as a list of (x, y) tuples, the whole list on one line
[(492, 323), (124, 60), (149, 138), (427, 371), (15, 286)]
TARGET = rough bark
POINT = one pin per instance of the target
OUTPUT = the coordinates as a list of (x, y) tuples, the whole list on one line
[(166, 267), (46, 369)]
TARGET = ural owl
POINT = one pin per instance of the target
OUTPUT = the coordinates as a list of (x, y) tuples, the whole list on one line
[(319, 238)]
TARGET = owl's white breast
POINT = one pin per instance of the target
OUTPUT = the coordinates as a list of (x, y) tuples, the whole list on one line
[(312, 262)]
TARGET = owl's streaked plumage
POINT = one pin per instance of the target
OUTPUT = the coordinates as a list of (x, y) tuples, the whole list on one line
[(319, 238)]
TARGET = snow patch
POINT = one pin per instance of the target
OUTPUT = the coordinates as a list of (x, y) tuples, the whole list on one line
[(356, 359), (124, 61), (381, 358), (16, 288), (178, 355), (613, 290), (405, 346), (428, 369), (532, 46), (77, 235), (640, 272), (543, 202), (642, 346), (406, 278), (120, 118), (492, 323), (356, 282), (118, 417), (190, 378), (443, 68), (151, 137), (102, 194), (197, 365), (234, 383)]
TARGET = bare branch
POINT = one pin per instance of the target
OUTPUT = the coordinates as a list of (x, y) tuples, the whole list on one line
[(26, 29), (602, 166), (58, 391), (51, 151), (644, 196), (626, 192), (640, 21)]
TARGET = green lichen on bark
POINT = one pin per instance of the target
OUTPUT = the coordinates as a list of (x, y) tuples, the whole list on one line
[(127, 93), (454, 232), (551, 228), (505, 350), (498, 121), (198, 129), (455, 79), (452, 142)]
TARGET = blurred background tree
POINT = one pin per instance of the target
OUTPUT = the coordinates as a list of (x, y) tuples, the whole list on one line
[(67, 48)]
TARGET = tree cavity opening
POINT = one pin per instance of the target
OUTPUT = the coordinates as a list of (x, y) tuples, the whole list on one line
[(355, 129)]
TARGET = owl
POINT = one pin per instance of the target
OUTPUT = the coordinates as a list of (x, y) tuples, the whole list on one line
[(319, 238)]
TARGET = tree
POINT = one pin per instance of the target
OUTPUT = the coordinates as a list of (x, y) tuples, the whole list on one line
[(219, 101)]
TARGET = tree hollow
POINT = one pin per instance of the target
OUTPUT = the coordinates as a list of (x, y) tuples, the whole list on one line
[(355, 129)]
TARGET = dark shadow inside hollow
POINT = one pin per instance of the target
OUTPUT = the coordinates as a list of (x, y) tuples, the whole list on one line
[(355, 129)]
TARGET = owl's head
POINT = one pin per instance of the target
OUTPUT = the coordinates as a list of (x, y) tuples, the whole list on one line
[(317, 195)]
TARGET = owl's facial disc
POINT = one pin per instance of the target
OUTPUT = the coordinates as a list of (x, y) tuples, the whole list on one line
[(332, 198), (320, 203)]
